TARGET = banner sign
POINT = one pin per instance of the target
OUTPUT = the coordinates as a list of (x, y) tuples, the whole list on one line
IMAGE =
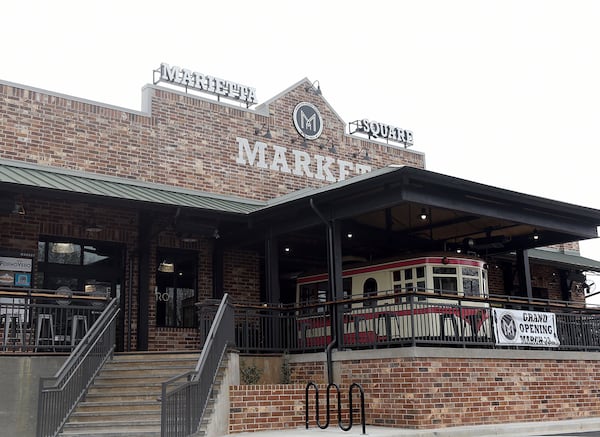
[(525, 328)]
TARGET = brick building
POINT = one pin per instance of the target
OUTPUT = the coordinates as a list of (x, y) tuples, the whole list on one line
[(205, 192)]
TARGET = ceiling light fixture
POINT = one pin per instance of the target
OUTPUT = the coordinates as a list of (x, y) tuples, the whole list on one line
[(166, 267), (64, 248), (93, 228)]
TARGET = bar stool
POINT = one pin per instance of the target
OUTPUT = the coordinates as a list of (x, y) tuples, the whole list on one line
[(14, 330), (79, 324), (44, 330)]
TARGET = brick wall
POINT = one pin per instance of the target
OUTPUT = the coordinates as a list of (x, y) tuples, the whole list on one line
[(182, 141), (420, 392)]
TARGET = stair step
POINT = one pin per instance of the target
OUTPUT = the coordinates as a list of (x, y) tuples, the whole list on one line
[(125, 390), (113, 416), (102, 380), (129, 428), (154, 358), (146, 370), (107, 406), (132, 432)]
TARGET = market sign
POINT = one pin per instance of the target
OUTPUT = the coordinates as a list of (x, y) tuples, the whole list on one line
[(296, 162), (377, 130), (525, 328), (202, 82)]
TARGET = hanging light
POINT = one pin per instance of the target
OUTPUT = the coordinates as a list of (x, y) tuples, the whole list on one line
[(423, 215), (166, 267), (63, 248), (93, 228)]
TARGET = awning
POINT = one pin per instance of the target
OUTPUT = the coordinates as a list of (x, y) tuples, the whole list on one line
[(69, 181), (564, 260)]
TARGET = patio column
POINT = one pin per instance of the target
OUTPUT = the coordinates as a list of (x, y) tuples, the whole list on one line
[(217, 270), (336, 292), (272, 289), (524, 272), (144, 250)]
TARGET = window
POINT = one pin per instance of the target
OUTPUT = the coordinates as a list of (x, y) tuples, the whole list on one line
[(79, 265), (369, 290), (470, 280), (176, 289), (445, 280), (409, 280)]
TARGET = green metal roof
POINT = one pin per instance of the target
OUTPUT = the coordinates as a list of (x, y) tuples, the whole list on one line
[(564, 259), (63, 180)]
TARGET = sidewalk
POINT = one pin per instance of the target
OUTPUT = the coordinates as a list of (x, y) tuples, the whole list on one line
[(563, 428)]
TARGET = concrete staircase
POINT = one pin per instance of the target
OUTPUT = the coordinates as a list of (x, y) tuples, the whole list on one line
[(123, 400)]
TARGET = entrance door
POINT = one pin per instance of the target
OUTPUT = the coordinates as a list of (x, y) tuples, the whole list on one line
[(88, 266)]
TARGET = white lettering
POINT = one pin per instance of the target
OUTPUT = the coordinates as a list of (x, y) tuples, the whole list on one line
[(323, 163), (374, 126), (187, 78), (244, 149), (376, 130), (168, 73), (279, 162), (275, 158), (345, 166), (219, 86), (301, 163), (251, 92), (201, 82)]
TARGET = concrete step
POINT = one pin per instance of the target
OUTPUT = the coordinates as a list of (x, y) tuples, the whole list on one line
[(154, 357), (153, 388), (120, 429), (109, 405), (124, 371), (121, 397), (140, 378), (123, 400), (113, 416)]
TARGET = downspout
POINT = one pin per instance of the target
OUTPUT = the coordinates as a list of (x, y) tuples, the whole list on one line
[(333, 343)]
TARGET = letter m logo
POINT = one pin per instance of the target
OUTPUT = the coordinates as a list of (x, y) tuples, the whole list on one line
[(308, 123)]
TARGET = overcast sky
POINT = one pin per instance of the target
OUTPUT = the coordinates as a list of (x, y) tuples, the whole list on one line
[(505, 93)]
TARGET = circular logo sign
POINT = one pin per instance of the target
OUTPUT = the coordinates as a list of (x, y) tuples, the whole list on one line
[(308, 121), (508, 326)]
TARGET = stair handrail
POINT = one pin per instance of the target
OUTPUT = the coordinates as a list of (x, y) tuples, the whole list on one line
[(59, 394), (184, 397)]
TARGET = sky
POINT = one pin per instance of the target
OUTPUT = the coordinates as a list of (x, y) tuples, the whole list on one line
[(502, 92)]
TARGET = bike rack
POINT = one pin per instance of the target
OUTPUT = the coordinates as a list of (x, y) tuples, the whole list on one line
[(339, 406)]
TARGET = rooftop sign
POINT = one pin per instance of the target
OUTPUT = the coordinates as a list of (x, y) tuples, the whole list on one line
[(376, 130), (202, 82)]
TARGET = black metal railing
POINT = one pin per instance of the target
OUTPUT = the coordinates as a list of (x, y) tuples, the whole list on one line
[(184, 397), (34, 320), (404, 319), (58, 395)]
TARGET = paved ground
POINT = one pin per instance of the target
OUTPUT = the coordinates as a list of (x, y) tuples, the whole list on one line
[(566, 428)]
